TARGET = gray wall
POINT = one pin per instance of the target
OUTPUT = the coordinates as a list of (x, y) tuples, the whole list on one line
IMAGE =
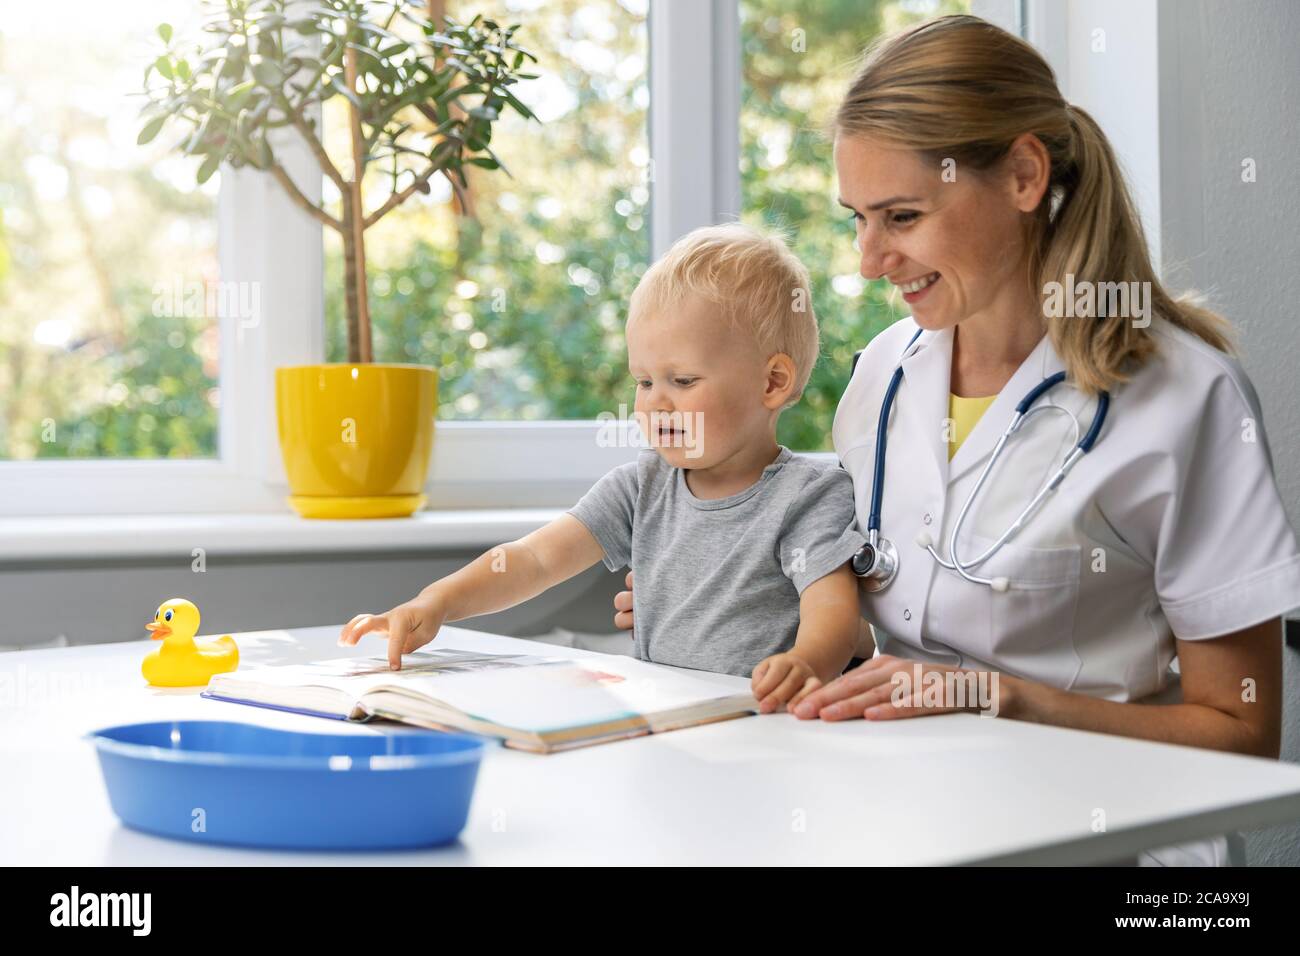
[(1230, 72), (85, 602)]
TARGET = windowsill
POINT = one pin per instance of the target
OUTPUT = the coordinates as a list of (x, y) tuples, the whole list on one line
[(172, 535)]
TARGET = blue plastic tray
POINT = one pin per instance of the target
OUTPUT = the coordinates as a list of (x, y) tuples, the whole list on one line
[(223, 782)]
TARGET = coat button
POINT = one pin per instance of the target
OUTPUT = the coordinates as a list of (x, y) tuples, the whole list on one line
[(926, 519), (907, 614)]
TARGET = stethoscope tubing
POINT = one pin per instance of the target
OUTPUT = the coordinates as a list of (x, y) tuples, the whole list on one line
[(1024, 409)]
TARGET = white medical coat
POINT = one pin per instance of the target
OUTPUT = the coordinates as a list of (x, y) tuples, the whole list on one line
[(1171, 526)]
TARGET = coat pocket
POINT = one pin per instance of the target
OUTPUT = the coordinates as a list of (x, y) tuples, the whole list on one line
[(1031, 623)]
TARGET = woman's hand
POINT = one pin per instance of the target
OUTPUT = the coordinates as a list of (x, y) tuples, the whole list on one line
[(409, 626), (886, 687), (623, 606)]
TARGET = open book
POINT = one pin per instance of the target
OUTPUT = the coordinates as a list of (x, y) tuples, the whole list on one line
[(540, 704)]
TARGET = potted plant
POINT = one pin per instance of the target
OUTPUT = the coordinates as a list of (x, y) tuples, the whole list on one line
[(423, 93)]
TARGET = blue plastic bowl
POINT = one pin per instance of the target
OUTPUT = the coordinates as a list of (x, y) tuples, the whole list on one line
[(222, 782)]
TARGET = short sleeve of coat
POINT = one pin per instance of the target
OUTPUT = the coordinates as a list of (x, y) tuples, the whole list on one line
[(1225, 553)]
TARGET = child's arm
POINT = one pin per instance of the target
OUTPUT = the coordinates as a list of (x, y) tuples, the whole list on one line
[(512, 573), (498, 579), (827, 637)]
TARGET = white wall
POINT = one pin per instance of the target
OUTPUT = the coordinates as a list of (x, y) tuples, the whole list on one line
[(1232, 74), (1230, 82), (1111, 71)]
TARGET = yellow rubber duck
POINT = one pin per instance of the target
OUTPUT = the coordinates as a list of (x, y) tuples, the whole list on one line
[(181, 661)]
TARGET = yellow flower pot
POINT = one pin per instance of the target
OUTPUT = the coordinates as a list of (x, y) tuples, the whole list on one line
[(356, 439)]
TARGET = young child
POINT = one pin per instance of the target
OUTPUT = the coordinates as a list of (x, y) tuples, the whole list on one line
[(739, 548)]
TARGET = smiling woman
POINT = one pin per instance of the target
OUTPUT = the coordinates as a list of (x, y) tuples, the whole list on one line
[(919, 236), (913, 227), (1154, 573)]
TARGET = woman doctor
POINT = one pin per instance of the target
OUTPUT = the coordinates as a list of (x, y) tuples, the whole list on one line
[(992, 205)]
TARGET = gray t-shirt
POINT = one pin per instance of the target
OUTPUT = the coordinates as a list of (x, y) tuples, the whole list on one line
[(717, 582)]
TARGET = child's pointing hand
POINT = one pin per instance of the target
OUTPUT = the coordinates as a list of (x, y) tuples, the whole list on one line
[(408, 626)]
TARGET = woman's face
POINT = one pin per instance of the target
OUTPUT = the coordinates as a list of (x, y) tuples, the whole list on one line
[(951, 241)]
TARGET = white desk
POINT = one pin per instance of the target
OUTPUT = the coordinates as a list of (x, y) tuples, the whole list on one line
[(757, 790)]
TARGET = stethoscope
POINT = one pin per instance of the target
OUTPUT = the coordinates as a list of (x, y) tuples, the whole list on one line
[(877, 560)]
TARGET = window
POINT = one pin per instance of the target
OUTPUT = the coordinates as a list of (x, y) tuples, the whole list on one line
[(108, 251), (796, 60), (653, 121)]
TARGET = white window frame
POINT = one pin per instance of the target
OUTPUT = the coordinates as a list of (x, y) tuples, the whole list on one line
[(694, 130)]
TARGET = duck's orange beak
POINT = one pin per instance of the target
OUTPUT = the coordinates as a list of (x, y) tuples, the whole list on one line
[(159, 630)]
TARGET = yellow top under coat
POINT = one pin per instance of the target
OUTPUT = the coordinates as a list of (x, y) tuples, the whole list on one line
[(964, 412)]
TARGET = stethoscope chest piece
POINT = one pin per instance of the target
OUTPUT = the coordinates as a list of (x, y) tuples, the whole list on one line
[(876, 564)]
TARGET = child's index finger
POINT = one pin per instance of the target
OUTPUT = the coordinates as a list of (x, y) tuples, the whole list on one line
[(396, 641)]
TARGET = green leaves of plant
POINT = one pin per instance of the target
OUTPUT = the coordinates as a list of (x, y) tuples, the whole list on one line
[(269, 74), (238, 94), (208, 167), (262, 64), (151, 130)]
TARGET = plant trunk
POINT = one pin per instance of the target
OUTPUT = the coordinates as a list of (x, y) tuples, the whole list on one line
[(354, 226), (353, 280)]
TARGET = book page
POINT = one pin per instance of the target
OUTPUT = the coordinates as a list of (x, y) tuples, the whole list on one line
[(559, 694), (529, 693), (356, 675)]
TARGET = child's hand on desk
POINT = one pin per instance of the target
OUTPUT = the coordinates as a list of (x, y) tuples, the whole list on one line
[(782, 679), (409, 626)]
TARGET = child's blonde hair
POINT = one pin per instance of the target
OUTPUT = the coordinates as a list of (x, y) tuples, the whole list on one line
[(757, 283)]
